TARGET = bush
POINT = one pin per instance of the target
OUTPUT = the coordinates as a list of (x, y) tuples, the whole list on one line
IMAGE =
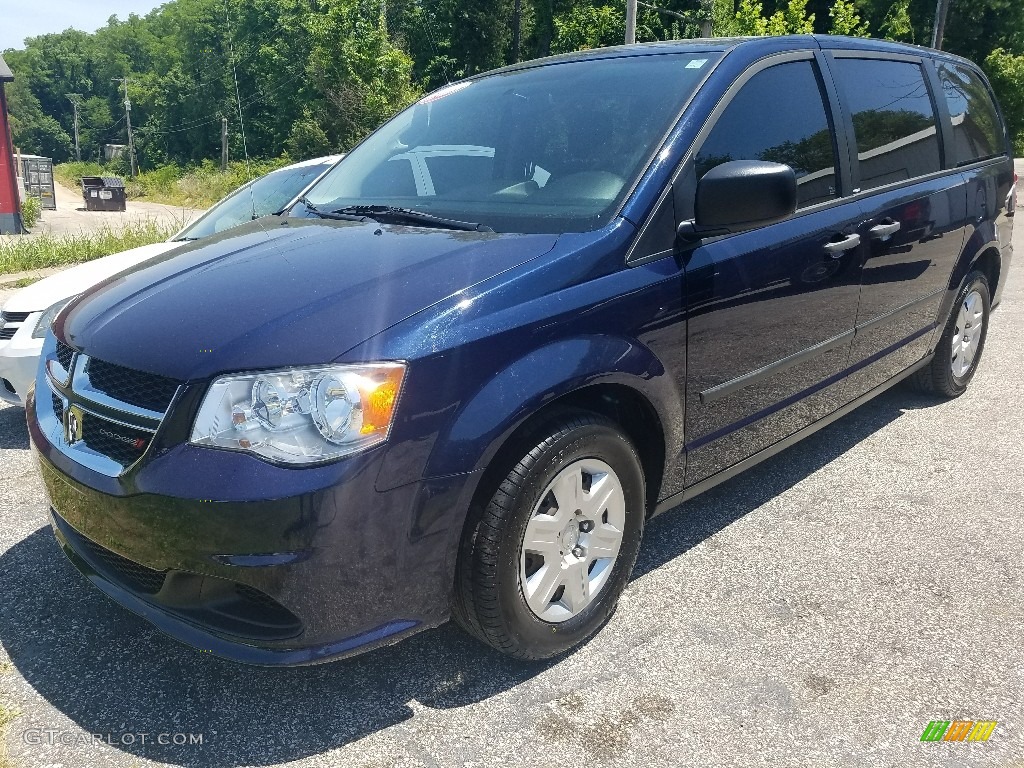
[(30, 210)]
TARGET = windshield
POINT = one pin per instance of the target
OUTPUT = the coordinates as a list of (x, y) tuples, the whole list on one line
[(267, 194), (544, 150)]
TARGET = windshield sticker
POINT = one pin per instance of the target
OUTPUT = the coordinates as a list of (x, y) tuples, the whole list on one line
[(696, 64)]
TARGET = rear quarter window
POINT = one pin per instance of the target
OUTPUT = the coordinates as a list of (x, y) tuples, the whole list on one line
[(977, 129)]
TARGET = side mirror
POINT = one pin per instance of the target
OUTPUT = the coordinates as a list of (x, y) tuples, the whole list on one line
[(741, 195)]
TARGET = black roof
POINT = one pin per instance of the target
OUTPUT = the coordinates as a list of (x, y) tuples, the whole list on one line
[(6, 75)]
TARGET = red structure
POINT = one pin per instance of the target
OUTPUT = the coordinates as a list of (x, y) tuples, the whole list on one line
[(10, 202)]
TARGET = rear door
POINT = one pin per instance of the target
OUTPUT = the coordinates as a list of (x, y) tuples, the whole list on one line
[(913, 210), (770, 312)]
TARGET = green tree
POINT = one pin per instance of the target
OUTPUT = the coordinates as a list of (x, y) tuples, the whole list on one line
[(750, 18), (588, 26), (897, 24), (846, 20), (1006, 73), (33, 131)]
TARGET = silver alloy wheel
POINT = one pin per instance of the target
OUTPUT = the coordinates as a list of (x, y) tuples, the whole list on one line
[(967, 334), (572, 540)]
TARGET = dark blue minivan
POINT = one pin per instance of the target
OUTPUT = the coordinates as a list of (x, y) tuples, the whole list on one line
[(533, 310)]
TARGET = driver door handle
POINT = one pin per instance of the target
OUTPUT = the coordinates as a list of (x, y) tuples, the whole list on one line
[(836, 249), (884, 230)]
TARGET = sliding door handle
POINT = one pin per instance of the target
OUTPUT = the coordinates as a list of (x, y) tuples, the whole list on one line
[(836, 249), (880, 231)]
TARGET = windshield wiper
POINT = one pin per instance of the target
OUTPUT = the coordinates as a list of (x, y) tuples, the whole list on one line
[(408, 215), (185, 239), (343, 215)]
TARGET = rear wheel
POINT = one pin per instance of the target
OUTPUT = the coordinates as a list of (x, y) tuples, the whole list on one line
[(542, 566), (963, 340)]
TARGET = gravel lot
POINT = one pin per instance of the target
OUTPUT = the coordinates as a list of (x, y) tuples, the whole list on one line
[(819, 610)]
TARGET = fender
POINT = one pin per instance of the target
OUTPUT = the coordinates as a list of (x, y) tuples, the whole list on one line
[(483, 423), (978, 244)]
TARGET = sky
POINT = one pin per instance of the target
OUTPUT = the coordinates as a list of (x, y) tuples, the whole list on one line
[(27, 18)]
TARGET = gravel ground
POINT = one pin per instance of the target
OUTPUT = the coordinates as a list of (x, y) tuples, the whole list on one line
[(819, 610)]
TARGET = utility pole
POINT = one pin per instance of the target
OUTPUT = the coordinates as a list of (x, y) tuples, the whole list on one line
[(223, 143), (128, 120), (630, 22), (941, 8), (73, 98)]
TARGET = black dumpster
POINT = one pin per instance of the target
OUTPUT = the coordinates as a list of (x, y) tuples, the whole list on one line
[(103, 193)]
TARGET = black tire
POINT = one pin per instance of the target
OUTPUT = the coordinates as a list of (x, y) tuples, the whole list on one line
[(938, 378), (488, 601)]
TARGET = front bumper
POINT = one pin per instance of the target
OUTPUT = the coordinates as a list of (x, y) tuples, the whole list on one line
[(202, 543), (19, 360)]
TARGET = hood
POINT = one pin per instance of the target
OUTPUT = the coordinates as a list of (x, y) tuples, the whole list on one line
[(281, 292), (65, 284)]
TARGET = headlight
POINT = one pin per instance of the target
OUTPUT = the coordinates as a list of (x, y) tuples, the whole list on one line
[(47, 319), (301, 416)]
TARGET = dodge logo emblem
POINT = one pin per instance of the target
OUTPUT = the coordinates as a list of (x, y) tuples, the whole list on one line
[(73, 425)]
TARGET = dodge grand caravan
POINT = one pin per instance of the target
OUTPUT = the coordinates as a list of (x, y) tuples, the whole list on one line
[(402, 401)]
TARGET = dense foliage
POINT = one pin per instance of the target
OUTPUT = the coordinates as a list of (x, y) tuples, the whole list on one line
[(314, 76)]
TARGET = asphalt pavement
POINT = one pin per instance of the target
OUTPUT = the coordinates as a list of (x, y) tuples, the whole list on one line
[(819, 610)]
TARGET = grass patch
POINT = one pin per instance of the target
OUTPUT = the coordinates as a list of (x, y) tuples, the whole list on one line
[(26, 253), (197, 186)]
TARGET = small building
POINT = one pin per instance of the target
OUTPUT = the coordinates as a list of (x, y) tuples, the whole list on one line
[(113, 151), (10, 199)]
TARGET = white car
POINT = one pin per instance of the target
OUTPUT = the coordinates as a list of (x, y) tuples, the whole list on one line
[(28, 313)]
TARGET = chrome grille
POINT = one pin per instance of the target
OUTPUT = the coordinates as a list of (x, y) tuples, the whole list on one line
[(108, 415), (145, 390)]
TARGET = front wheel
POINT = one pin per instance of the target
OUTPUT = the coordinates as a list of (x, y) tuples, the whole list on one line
[(542, 566), (963, 340)]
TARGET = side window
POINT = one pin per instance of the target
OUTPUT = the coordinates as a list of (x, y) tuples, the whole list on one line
[(892, 118), (778, 115), (977, 131)]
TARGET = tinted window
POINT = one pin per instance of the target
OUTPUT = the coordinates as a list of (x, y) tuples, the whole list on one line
[(892, 118), (547, 149), (779, 116), (977, 131)]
